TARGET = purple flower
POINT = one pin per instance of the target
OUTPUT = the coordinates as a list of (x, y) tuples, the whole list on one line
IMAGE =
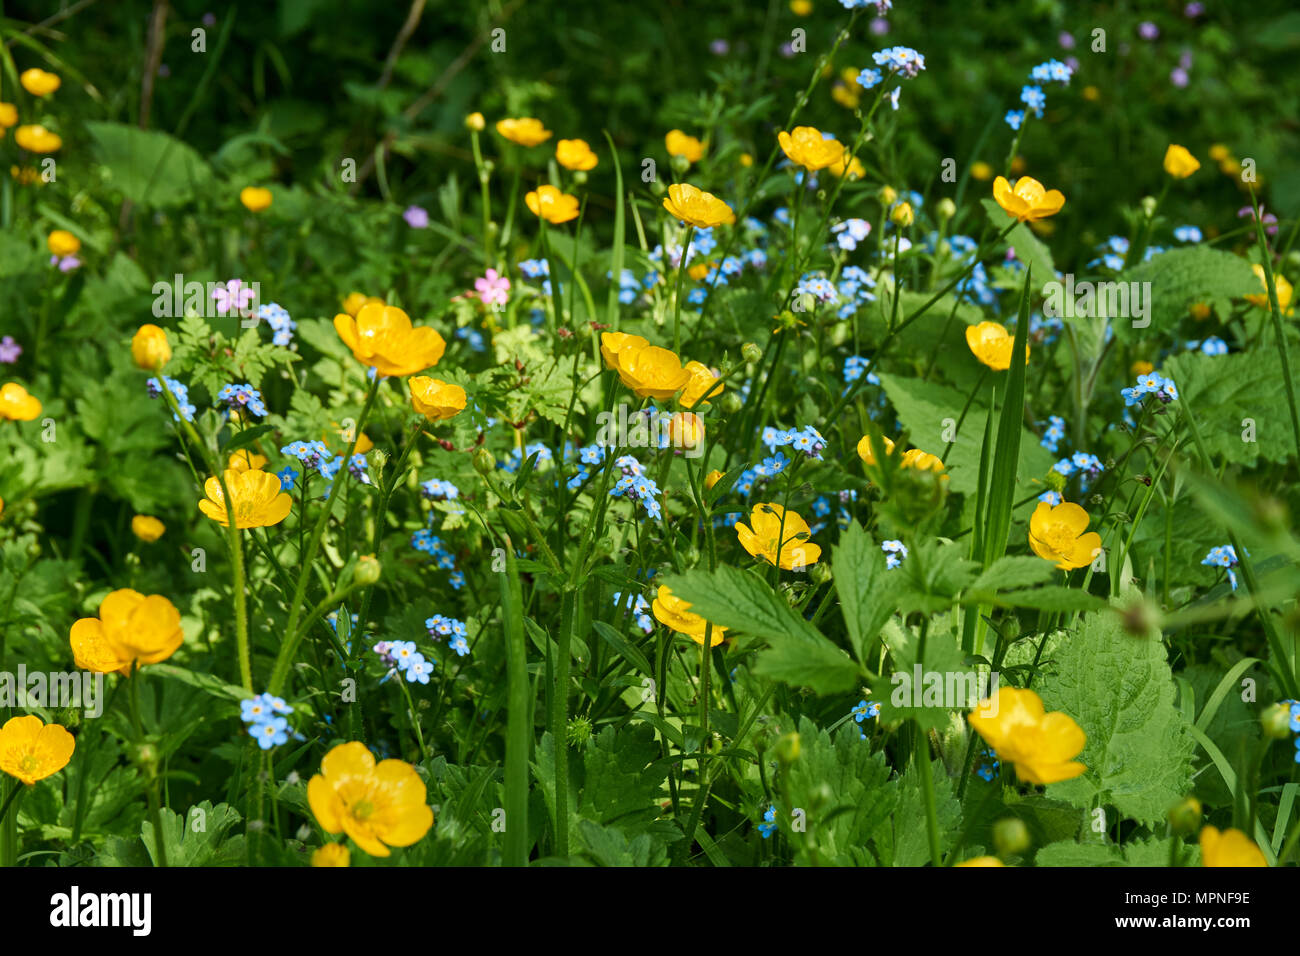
[(416, 217), (1148, 30), (879, 26), (1066, 41), (1179, 77), (9, 350), (1193, 10), (720, 47)]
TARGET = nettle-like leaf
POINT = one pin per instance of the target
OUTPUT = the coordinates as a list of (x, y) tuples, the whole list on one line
[(1119, 689), (1181, 277), (1237, 397), (928, 690)]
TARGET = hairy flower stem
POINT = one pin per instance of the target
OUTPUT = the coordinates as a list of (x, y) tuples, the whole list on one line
[(151, 793), (677, 299), (284, 659), (381, 514), (921, 754), (560, 719)]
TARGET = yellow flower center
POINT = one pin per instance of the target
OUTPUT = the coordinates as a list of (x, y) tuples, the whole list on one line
[(362, 809), (29, 763)]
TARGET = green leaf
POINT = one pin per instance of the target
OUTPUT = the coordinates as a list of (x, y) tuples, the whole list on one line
[(1013, 572), (928, 690), (1181, 277), (149, 167), (865, 591), (1006, 457), (1118, 688), (1029, 248)]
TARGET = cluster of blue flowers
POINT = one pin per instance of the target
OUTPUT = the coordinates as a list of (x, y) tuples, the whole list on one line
[(1224, 556), (1211, 346), (866, 710), (428, 542), (277, 317), (180, 392), (989, 764), (1293, 707), (1150, 384), (312, 455), (435, 489), (850, 232), (245, 397), (1187, 234), (402, 657), (807, 440), (1054, 434), (587, 455), (640, 611), (514, 461), (1031, 94), (263, 715), (895, 552), (441, 626), (854, 366), (636, 486)]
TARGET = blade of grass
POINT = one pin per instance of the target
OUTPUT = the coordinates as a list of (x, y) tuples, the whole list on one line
[(519, 719)]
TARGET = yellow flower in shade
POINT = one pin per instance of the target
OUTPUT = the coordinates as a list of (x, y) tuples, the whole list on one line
[(687, 147), (805, 146), (1056, 533), (38, 82), (8, 115), (1041, 745), (16, 405), (746, 160), (1200, 311), (1229, 848), (525, 131), (992, 344), (1218, 152), (382, 336), (675, 614), (435, 399), (981, 170), (778, 535), (331, 854), (37, 139), (1179, 163), (255, 198), (846, 90), (801, 8), (686, 431), (246, 460), (981, 861), (2, 507), (377, 805), (922, 461), (712, 478), (848, 165), (131, 628), (697, 208), (611, 343), (1141, 367), (31, 750), (147, 528), (1027, 200), (865, 452), (700, 270), (652, 372), (258, 500), (902, 214), (356, 301), (149, 348), (703, 381), (63, 243), (575, 154), (476, 122), (1284, 291), (551, 204)]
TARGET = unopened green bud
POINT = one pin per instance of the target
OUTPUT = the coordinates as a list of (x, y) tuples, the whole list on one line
[(946, 208), (787, 748), (484, 462), (1276, 721), (751, 352), (367, 571), (1011, 836), (1185, 816)]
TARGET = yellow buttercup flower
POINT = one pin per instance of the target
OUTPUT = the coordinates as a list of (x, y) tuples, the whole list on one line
[(687, 147), (2, 507), (865, 451), (991, 343), (255, 198), (575, 154), (246, 460), (746, 159), (981, 861), (1027, 200), (1284, 291), (712, 478), (8, 116), (805, 146), (778, 536), (356, 301), (651, 372), (16, 405), (1200, 311), (1179, 163), (1041, 745), (1229, 848), (377, 805), (1141, 367), (63, 243), (981, 170), (525, 131), (257, 502), (700, 270), (902, 214), (849, 166), (131, 628), (703, 382), (801, 8), (38, 82), (37, 139), (435, 399), (149, 348), (686, 431), (551, 204), (922, 461), (1056, 533), (31, 750), (476, 122), (331, 854), (675, 614), (611, 343), (147, 528), (382, 337), (696, 207)]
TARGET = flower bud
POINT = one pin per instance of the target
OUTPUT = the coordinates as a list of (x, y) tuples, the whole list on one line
[(484, 462), (820, 573), (751, 352), (1185, 816), (1276, 721), (1149, 206), (712, 478), (732, 403), (946, 208), (1011, 837), (787, 748), (888, 195), (476, 122), (902, 215), (367, 571), (149, 348)]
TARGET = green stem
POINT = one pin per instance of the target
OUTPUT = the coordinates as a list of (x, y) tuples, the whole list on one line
[(151, 793), (921, 754)]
